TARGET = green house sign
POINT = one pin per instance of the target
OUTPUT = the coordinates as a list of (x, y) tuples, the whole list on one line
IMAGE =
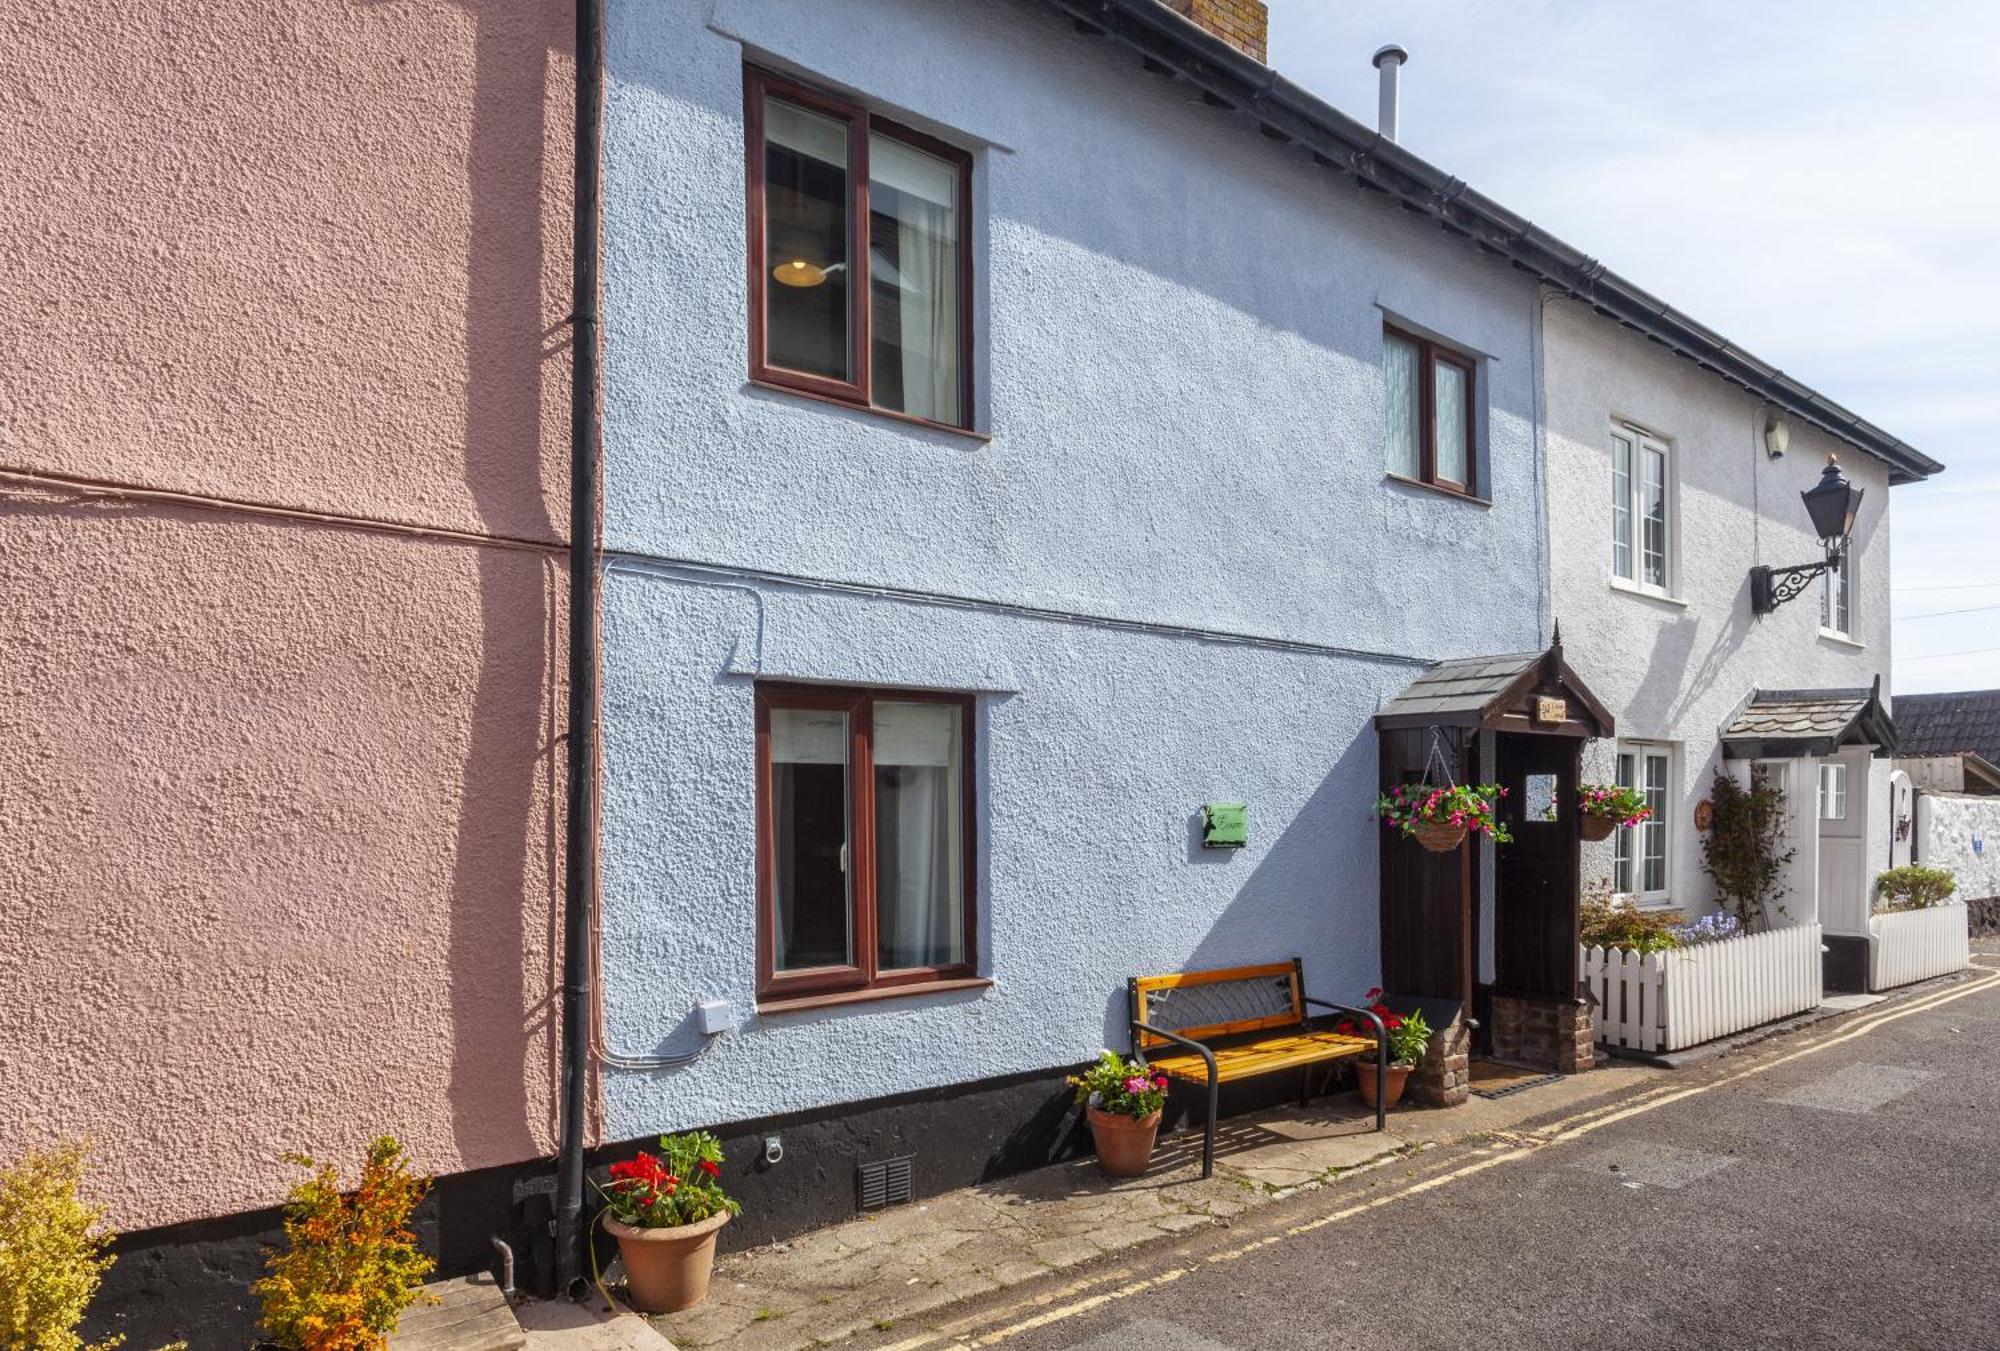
[(1225, 825)]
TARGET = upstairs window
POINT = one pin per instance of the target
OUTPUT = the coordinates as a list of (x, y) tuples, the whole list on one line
[(864, 830), (1836, 603), (1641, 552), (860, 270), (1428, 397)]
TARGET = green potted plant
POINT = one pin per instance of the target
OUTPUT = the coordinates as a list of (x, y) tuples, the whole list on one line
[(1408, 1039), (1439, 819), (1603, 807), (665, 1211), (1122, 1099)]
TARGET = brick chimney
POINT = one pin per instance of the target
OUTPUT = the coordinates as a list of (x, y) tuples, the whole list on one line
[(1240, 23)]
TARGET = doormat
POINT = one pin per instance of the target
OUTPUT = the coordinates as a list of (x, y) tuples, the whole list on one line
[(1492, 1079)]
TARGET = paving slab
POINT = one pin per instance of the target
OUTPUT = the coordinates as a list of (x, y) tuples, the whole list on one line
[(899, 1268), (559, 1325)]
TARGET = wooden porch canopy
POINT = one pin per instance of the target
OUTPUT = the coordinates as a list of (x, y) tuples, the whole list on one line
[(1780, 724), (1515, 692), (1430, 902)]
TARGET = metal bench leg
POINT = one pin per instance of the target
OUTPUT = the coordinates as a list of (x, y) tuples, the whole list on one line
[(1381, 1092), (1305, 1085), (1208, 1134)]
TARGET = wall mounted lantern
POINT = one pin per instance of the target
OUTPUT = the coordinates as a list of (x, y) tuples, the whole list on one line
[(1777, 436), (1832, 503)]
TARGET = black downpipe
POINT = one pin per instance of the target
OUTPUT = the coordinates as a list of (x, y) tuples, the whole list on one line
[(580, 836)]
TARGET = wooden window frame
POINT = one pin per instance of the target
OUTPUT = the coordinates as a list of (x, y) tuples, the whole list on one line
[(758, 84), (1429, 353), (863, 974)]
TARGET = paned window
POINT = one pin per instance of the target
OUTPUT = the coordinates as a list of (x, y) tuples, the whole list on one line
[(1836, 604), (860, 271), (1431, 424), (864, 839), (1639, 867), (1641, 501)]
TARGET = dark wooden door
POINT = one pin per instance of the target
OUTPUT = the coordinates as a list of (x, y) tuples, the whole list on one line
[(1426, 911), (1535, 877)]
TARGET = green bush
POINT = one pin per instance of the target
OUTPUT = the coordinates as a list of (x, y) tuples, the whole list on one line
[(52, 1252), (1913, 888), (1607, 922)]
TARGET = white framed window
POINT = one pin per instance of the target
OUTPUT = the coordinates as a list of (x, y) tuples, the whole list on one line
[(1641, 510), (1640, 853), (1833, 792), (1836, 597)]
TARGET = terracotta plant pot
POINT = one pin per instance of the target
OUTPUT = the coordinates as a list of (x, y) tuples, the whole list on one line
[(1596, 827), (666, 1270), (1124, 1144), (1399, 1076), (1440, 837)]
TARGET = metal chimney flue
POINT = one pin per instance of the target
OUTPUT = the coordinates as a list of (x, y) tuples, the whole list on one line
[(1389, 61)]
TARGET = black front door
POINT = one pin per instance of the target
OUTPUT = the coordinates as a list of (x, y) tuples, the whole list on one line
[(1535, 877)]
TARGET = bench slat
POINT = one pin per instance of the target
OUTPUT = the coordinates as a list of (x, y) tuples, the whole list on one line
[(1174, 980), (1264, 1057)]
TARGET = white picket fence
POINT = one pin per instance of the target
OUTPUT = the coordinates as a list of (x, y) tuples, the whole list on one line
[(1664, 1001), (1910, 945)]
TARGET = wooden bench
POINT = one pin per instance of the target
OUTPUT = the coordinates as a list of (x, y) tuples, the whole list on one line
[(1237, 1022)]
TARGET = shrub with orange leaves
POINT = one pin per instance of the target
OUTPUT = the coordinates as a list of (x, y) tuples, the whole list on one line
[(350, 1264)]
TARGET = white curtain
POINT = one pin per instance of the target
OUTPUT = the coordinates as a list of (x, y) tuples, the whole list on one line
[(917, 816), (1400, 393), (925, 270)]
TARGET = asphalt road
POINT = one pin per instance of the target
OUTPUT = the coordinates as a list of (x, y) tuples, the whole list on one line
[(1836, 1188)]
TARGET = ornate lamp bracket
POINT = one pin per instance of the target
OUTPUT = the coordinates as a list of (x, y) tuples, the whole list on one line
[(1772, 587)]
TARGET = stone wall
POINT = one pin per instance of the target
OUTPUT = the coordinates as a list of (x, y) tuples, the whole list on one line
[(1443, 1079), (1556, 1034)]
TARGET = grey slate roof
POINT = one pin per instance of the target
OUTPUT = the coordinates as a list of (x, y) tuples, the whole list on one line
[(1815, 720), (1465, 685), (1175, 47), (1945, 724)]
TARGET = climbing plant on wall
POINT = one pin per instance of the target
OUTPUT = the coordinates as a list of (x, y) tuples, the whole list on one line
[(1745, 851)]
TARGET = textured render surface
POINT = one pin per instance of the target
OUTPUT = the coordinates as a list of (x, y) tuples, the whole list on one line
[(1179, 349), (1096, 751), (305, 253), (1179, 337), (276, 826), (280, 849), (1676, 670), (1947, 825)]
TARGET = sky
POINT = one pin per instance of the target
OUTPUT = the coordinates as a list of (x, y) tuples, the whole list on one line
[(1818, 182)]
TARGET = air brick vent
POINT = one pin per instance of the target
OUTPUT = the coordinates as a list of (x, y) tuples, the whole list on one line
[(886, 1182)]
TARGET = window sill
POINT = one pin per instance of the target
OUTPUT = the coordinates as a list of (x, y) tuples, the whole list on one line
[(887, 414), (836, 998), (1836, 636), (1453, 493), (1646, 593)]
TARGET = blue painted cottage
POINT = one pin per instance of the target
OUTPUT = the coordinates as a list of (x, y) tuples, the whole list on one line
[(1011, 446)]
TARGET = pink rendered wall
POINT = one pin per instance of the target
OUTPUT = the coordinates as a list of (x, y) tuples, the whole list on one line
[(280, 800)]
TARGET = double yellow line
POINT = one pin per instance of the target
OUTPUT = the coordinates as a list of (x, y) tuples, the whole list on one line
[(1508, 1148)]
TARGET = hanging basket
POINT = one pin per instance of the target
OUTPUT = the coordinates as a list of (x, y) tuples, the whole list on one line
[(1595, 828), (1440, 837)]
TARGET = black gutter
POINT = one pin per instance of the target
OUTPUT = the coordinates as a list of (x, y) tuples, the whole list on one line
[(579, 837), (1170, 44)]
